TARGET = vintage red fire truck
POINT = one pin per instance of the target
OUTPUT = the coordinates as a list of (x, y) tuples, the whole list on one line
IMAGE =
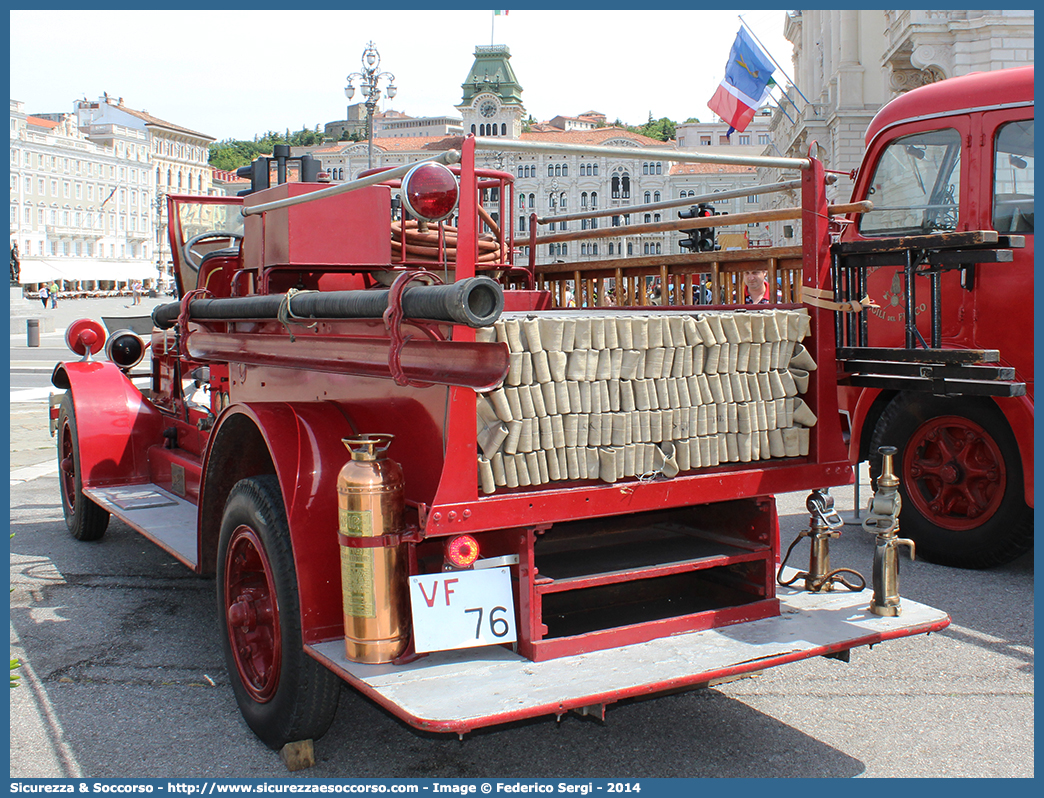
[(942, 161), (475, 488)]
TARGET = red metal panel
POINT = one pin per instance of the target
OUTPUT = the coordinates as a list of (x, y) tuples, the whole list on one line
[(304, 441), (288, 236), (115, 424)]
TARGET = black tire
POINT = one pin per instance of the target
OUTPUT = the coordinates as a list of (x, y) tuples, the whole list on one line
[(960, 479), (283, 693), (85, 519)]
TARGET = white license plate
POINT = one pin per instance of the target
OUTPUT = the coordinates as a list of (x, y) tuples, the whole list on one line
[(462, 609)]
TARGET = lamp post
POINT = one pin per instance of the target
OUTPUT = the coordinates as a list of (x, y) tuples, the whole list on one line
[(369, 80)]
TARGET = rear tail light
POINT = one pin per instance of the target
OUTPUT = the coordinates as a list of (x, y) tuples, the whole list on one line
[(430, 192), (85, 337), (462, 551)]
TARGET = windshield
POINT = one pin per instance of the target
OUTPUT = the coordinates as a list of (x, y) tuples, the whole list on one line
[(916, 185), (197, 218)]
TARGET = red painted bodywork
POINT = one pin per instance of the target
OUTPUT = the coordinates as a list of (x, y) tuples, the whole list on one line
[(998, 313), (281, 405)]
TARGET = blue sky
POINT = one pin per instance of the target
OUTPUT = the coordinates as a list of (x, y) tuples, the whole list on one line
[(196, 68)]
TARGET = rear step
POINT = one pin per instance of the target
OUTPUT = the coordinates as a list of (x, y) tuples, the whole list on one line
[(458, 691), (167, 520)]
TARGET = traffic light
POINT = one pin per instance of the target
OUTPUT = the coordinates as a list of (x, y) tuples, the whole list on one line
[(700, 240)]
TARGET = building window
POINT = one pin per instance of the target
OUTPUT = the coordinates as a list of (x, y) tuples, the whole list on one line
[(550, 170), (583, 199), (610, 248), (532, 201), (521, 224), (563, 201), (630, 249), (648, 218), (705, 141), (615, 187), (656, 196), (752, 198), (763, 138), (626, 183), (656, 217), (744, 139), (645, 168), (594, 194), (659, 168), (648, 197)]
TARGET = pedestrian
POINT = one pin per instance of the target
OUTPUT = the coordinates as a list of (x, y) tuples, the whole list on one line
[(44, 294), (136, 292), (54, 295), (756, 284)]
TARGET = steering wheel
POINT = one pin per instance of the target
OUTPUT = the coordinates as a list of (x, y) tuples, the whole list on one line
[(193, 259)]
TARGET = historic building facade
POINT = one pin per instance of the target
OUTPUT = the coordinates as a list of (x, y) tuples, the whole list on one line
[(848, 63), (81, 200)]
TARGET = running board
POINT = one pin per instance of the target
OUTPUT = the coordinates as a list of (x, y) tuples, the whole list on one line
[(458, 691), (167, 520)]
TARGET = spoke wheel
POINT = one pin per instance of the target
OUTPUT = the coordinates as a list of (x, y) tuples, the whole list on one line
[(960, 476), (283, 694), (954, 472), (252, 615), (85, 519)]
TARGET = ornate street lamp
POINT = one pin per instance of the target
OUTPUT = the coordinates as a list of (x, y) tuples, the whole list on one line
[(369, 86)]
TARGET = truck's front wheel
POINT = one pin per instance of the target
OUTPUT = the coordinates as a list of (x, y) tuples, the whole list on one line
[(284, 694), (85, 519), (960, 478)]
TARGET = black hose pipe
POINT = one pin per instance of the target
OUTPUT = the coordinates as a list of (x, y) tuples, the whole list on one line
[(475, 302)]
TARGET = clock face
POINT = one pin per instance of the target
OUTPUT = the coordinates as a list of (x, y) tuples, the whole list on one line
[(488, 108)]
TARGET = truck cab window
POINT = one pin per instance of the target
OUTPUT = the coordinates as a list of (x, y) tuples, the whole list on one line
[(1013, 178), (916, 185)]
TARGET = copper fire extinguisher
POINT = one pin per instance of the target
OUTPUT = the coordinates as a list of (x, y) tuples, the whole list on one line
[(370, 502)]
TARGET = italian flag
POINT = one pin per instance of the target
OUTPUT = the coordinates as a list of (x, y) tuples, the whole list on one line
[(498, 13)]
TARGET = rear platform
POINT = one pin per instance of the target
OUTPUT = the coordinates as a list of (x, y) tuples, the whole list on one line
[(458, 691)]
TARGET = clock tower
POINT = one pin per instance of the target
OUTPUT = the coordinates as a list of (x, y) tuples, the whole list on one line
[(491, 104)]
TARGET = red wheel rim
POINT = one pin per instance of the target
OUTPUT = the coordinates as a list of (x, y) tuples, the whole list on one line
[(252, 615), (954, 473), (67, 469)]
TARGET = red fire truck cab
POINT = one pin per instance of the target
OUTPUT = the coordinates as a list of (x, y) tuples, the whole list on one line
[(474, 489), (941, 161)]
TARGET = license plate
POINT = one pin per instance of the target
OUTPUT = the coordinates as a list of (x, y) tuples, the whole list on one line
[(462, 609)]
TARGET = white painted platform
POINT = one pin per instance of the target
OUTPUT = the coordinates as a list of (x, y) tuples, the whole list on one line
[(456, 691), (166, 519)]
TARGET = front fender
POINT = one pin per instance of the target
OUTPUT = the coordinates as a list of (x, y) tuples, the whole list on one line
[(115, 424), (301, 444)]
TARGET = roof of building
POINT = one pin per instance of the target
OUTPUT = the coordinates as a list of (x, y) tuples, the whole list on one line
[(36, 121), (598, 135), (149, 119), (710, 169), (225, 176)]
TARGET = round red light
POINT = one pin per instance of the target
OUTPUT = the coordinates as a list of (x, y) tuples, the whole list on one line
[(85, 335), (462, 551), (430, 192)]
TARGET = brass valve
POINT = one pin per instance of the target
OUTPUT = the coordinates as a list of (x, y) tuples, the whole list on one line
[(823, 523), (883, 521)]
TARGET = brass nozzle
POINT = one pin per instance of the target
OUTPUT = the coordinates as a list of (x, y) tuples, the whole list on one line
[(888, 479)]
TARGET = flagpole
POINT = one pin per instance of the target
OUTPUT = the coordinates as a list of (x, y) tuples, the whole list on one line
[(774, 61), (492, 24)]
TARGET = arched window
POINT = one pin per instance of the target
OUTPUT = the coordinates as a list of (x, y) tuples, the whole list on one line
[(594, 194), (520, 171), (551, 250), (179, 181), (565, 170), (648, 218), (550, 202), (550, 170), (657, 249), (521, 224), (562, 201), (521, 202), (168, 178), (656, 196), (199, 182), (645, 168), (532, 200), (610, 248), (472, 130), (626, 186), (503, 129), (615, 187), (583, 200), (630, 248), (659, 168), (646, 252), (558, 170), (594, 248), (648, 197)]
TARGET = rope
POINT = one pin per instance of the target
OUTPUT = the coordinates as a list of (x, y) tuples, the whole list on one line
[(285, 316), (824, 298)]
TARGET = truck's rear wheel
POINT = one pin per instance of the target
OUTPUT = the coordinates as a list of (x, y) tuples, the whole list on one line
[(284, 694), (960, 478), (85, 519)]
